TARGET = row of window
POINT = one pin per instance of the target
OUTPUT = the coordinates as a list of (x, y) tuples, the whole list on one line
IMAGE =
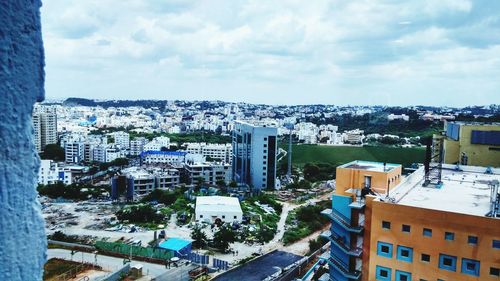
[(450, 236), (385, 274), (446, 262)]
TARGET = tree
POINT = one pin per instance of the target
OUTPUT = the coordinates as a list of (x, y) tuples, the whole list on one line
[(53, 152), (311, 172), (223, 238), (199, 237)]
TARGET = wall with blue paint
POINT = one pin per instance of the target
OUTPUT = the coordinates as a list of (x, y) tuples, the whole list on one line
[(22, 235)]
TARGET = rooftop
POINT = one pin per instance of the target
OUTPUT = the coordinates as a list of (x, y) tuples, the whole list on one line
[(174, 244), (370, 166), (219, 203), (466, 191)]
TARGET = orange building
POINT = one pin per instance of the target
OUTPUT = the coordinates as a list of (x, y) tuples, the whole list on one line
[(386, 227)]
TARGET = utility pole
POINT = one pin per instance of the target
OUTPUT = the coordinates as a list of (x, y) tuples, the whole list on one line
[(289, 170)]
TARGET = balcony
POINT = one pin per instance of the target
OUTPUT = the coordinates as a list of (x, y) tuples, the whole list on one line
[(341, 267), (339, 242), (342, 220)]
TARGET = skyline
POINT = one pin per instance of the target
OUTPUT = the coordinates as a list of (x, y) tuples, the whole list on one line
[(286, 52)]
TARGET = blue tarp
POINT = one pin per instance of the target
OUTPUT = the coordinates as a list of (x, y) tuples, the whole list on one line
[(180, 247)]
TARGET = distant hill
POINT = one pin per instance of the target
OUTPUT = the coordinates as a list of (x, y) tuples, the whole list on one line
[(114, 103)]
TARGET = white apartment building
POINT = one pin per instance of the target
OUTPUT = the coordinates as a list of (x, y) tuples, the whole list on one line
[(50, 172), (74, 151), (392, 117), (210, 172), (163, 157), (99, 153), (137, 145), (146, 181), (122, 139), (354, 136), (220, 152), (157, 144), (45, 126)]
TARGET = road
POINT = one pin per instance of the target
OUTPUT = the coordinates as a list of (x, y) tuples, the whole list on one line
[(112, 263)]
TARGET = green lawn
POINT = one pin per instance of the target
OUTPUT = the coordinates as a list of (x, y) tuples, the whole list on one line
[(338, 155)]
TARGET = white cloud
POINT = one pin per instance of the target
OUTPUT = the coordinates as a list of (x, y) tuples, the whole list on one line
[(288, 45)]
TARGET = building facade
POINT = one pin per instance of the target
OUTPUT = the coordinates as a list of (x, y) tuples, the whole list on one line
[(475, 144), (254, 150), (219, 152), (45, 126), (386, 228)]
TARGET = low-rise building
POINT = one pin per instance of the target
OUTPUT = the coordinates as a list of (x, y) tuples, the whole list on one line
[(50, 172), (213, 208), (208, 172), (163, 157), (219, 152)]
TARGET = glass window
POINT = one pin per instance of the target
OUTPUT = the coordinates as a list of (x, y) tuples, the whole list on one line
[(403, 275), (425, 258), (386, 225), (470, 267), (384, 249), (406, 228), (494, 271), (496, 244), (448, 262), (427, 232), (449, 236), (405, 254), (472, 240), (383, 273)]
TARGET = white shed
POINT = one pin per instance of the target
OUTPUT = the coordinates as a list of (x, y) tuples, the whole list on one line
[(210, 208)]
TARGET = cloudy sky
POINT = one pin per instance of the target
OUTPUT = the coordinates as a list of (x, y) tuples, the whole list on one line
[(436, 52)]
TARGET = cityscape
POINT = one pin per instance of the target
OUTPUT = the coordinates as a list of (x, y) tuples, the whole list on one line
[(231, 189), (248, 140)]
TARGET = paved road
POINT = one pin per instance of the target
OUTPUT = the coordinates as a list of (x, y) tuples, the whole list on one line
[(112, 263)]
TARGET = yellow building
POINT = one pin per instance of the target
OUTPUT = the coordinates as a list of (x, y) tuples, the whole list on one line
[(475, 144), (404, 230)]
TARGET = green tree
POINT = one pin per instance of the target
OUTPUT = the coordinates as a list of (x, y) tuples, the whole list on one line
[(311, 172), (223, 238), (53, 152), (199, 237)]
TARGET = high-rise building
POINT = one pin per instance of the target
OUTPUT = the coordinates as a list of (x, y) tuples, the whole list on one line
[(471, 143), (137, 145), (45, 126), (386, 227), (254, 155)]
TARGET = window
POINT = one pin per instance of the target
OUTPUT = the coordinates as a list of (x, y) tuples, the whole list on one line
[(405, 254), (472, 240), (494, 271), (406, 228), (448, 262), (386, 225), (223, 217), (383, 273), (201, 216), (496, 244), (234, 217), (403, 275), (470, 267), (265, 145), (427, 232), (449, 236), (384, 249), (425, 258)]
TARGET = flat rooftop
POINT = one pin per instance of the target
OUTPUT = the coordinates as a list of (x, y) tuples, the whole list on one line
[(370, 166), (465, 192)]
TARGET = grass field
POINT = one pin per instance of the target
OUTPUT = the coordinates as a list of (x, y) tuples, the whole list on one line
[(338, 155)]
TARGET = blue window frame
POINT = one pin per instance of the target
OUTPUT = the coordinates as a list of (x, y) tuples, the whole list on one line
[(384, 249), (427, 232), (403, 276), (383, 273), (496, 244), (449, 236), (472, 240), (447, 262), (470, 267), (405, 254)]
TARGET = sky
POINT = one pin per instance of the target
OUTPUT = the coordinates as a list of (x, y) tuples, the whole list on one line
[(421, 52)]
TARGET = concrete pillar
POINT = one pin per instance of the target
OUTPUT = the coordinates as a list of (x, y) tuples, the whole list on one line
[(22, 236)]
